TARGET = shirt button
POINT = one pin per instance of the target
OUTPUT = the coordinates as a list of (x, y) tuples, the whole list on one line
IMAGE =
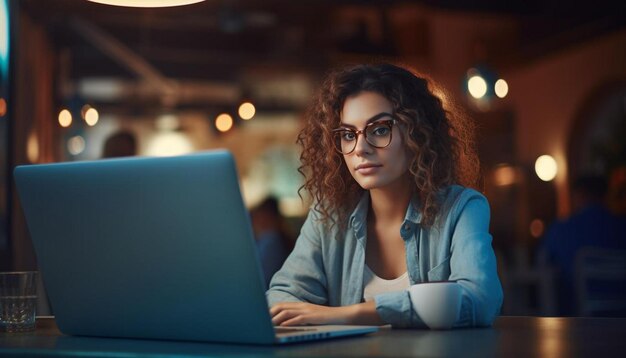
[(407, 227)]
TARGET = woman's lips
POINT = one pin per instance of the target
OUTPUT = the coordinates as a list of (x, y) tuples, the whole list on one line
[(367, 169)]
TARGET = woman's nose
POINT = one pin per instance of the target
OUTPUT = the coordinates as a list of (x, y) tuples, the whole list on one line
[(362, 146)]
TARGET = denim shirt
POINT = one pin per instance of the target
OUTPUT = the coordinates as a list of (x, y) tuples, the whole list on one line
[(326, 265)]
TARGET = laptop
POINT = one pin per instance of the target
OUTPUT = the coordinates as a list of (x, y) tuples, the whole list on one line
[(154, 248)]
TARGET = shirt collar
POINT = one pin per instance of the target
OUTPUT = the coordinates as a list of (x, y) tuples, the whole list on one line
[(413, 213), (358, 217), (359, 214)]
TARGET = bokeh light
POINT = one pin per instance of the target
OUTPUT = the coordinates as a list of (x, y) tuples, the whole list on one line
[(76, 145), (91, 116), (32, 147), (3, 107), (537, 227), (546, 167), (165, 144), (504, 175), (65, 118), (501, 88), (224, 122), (246, 111), (477, 86)]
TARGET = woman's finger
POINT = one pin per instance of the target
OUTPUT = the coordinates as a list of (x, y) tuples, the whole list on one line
[(284, 315), (298, 320), (279, 307)]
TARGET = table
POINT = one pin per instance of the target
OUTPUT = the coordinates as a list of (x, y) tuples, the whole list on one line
[(509, 337)]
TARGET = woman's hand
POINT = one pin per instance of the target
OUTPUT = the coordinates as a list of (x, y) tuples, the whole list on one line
[(301, 313)]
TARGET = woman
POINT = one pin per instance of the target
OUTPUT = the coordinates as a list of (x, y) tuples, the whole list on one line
[(383, 161)]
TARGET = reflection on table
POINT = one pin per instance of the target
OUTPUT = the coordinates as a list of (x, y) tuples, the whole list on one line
[(510, 336)]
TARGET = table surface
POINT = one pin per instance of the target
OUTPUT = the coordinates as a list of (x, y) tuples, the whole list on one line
[(510, 336)]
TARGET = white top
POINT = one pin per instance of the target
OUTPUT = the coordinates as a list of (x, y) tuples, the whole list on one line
[(374, 285)]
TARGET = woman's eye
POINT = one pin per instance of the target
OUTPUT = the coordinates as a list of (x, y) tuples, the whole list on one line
[(347, 135), (380, 130)]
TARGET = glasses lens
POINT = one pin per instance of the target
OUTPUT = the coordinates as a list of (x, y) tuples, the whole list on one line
[(378, 134), (345, 141)]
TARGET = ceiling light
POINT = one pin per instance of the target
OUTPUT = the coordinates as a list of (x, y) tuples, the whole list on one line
[(146, 3)]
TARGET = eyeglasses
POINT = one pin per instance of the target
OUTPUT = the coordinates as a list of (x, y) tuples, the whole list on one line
[(377, 134)]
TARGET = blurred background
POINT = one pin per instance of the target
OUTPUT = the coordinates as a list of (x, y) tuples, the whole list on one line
[(544, 81)]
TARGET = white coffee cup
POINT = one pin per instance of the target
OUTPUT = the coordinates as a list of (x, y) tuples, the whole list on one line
[(437, 303)]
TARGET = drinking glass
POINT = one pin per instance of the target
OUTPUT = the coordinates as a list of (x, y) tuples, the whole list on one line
[(18, 300)]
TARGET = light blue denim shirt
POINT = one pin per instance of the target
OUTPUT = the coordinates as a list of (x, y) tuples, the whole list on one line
[(326, 265)]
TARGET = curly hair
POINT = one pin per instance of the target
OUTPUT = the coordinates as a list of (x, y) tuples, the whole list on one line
[(439, 140)]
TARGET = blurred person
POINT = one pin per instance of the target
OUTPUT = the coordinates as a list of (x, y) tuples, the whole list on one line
[(389, 169), (590, 225), (272, 241), (120, 144)]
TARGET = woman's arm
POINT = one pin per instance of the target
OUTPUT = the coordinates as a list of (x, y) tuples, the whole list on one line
[(302, 277), (298, 292), (473, 264)]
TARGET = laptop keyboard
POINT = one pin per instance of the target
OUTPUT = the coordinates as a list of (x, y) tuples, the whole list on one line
[(292, 330)]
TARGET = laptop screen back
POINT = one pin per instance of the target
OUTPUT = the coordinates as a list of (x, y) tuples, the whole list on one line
[(147, 248)]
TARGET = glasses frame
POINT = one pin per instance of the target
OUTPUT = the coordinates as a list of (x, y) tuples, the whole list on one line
[(363, 131)]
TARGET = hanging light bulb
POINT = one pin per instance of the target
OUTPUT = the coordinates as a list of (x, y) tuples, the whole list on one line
[(147, 3)]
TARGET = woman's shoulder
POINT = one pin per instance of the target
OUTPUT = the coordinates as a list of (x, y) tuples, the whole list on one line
[(320, 223), (458, 194), (327, 216), (455, 198)]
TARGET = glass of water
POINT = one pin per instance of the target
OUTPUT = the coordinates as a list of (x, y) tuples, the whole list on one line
[(18, 300)]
